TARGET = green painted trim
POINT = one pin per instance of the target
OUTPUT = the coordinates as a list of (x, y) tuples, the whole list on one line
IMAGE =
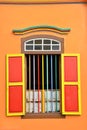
[(41, 27)]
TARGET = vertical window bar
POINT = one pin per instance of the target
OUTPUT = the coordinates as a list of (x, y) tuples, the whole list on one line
[(56, 80), (34, 44), (51, 43), (34, 83), (38, 83), (52, 83), (47, 80), (42, 43), (43, 104), (29, 81)]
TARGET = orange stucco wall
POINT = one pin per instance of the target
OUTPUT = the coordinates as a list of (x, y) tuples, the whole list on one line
[(20, 16)]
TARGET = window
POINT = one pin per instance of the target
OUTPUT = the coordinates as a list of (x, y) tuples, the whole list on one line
[(43, 90), (42, 44), (43, 82)]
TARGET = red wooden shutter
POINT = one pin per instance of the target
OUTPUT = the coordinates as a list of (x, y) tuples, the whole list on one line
[(71, 102), (15, 85)]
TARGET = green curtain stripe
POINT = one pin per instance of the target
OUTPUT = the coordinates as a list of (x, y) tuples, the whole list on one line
[(39, 27), (51, 62)]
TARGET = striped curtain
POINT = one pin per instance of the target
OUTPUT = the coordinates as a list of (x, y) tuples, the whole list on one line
[(42, 94)]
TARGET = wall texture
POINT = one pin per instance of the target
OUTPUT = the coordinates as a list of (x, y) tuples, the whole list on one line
[(20, 16)]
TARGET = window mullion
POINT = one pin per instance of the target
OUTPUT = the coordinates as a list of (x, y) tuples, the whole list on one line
[(51, 44), (47, 80), (43, 99), (51, 82), (56, 80), (34, 83), (38, 83), (42, 43), (34, 44), (29, 81)]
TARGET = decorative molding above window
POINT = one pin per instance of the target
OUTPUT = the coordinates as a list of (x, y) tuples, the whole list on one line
[(41, 28)]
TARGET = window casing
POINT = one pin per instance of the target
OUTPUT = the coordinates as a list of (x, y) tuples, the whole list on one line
[(42, 96)]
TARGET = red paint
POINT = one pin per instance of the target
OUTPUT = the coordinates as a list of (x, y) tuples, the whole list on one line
[(71, 98), (70, 69), (15, 69), (38, 84), (15, 99)]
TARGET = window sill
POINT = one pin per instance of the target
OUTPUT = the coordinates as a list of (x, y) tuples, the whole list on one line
[(42, 115)]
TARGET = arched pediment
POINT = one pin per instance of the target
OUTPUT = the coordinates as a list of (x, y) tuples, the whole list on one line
[(41, 28)]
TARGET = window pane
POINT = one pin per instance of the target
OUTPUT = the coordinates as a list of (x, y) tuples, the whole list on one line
[(46, 47), (47, 41), (55, 47), (38, 47), (54, 42), (38, 41), (29, 42), (29, 47)]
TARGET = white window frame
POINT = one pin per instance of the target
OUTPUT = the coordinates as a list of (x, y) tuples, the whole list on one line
[(51, 45)]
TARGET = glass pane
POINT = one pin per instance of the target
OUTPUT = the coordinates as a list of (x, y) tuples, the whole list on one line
[(46, 47), (38, 41), (38, 47), (47, 41), (55, 47), (29, 42), (54, 42), (29, 47)]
